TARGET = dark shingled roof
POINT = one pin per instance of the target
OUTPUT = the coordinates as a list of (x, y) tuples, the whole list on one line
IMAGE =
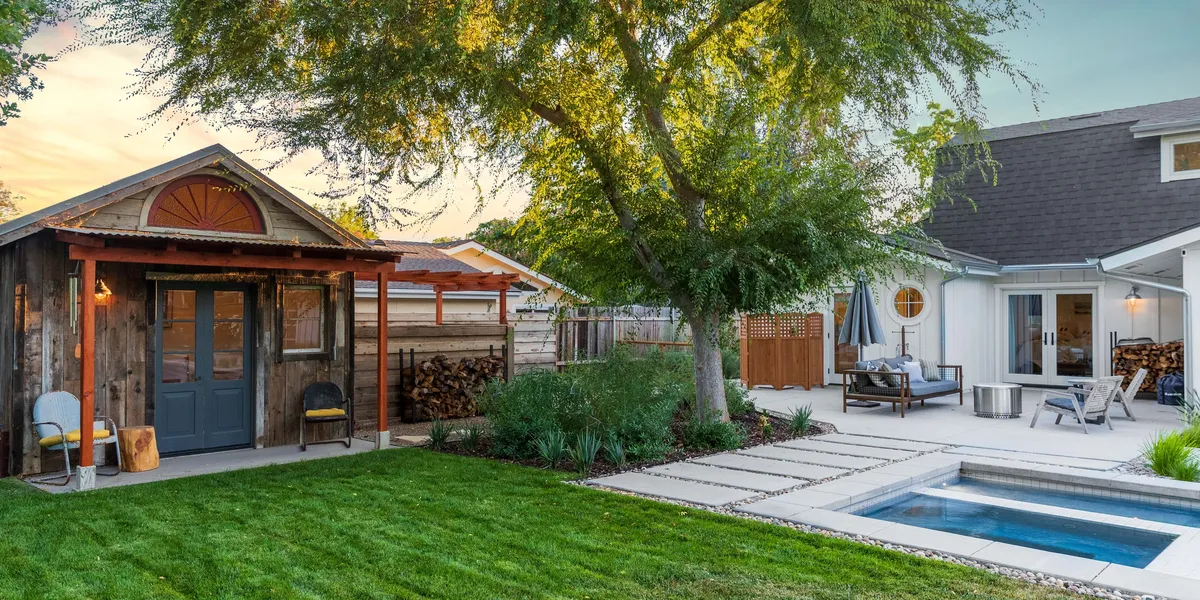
[(418, 256), (1146, 115), (1082, 189)]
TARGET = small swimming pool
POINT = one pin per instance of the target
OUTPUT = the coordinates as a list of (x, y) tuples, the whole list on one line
[(1099, 541), (1161, 513)]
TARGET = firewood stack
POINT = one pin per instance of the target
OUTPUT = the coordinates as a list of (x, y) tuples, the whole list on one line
[(1158, 359), (446, 388)]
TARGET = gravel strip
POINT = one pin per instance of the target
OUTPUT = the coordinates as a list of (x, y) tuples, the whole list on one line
[(1032, 577)]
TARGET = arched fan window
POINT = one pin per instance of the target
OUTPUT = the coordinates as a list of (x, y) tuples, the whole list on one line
[(206, 203)]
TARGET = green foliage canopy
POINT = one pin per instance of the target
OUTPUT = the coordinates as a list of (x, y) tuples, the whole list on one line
[(19, 20)]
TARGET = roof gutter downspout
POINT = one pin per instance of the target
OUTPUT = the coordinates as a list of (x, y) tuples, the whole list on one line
[(1187, 314), (942, 304)]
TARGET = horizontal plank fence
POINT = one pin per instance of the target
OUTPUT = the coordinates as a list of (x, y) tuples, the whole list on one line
[(527, 342)]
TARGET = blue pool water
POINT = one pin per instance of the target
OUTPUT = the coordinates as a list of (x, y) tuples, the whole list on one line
[(1162, 513), (1108, 543)]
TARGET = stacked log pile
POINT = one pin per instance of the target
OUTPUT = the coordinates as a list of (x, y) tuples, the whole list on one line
[(1158, 359), (446, 388)]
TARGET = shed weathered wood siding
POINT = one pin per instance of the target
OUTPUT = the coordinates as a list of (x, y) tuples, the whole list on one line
[(38, 346)]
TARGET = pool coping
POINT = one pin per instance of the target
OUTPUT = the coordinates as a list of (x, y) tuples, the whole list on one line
[(823, 506)]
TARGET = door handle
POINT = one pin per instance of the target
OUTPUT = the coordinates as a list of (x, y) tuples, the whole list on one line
[(1052, 338), (1045, 338)]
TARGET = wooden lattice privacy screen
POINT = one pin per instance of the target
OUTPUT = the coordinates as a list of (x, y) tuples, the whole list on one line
[(783, 349)]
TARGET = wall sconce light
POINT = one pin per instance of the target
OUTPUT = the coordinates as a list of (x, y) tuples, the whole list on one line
[(1132, 297), (102, 293)]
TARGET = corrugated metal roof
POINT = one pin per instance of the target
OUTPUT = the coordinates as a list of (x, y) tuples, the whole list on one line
[(208, 239)]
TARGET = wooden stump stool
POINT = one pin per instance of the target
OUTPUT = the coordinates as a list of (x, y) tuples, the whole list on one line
[(139, 450)]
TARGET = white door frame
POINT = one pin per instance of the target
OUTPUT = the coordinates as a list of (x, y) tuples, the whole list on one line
[(1100, 364), (830, 345)]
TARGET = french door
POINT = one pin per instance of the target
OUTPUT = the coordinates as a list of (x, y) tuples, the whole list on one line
[(203, 359), (1049, 335)]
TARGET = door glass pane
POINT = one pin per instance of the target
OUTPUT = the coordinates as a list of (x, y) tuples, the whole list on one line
[(227, 335), (181, 304), (844, 355), (1025, 334), (1073, 335), (179, 336), (227, 366), (178, 368), (228, 305)]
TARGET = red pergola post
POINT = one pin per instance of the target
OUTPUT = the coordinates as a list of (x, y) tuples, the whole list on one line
[(87, 376), (504, 306), (382, 435), (437, 304)]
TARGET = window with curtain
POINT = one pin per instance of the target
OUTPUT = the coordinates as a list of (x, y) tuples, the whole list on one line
[(303, 319)]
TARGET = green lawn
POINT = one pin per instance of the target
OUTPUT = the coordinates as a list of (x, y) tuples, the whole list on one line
[(412, 523)]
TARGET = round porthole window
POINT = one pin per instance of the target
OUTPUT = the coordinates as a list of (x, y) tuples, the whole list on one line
[(908, 302)]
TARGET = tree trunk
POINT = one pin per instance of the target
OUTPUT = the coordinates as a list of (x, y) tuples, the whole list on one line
[(710, 382)]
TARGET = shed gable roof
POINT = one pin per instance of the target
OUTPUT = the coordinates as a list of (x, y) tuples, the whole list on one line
[(212, 156)]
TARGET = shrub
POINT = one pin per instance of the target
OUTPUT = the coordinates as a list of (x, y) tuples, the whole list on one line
[(713, 434), (1169, 455), (551, 446), (731, 363), (472, 436), (583, 453), (628, 398), (799, 419), (614, 451), (439, 434), (737, 398), (1191, 434), (764, 421)]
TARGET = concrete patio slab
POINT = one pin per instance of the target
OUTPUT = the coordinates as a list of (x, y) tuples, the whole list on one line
[(1040, 458), (1040, 561), (810, 498), (674, 489), (772, 509), (856, 491), (728, 477), (862, 440), (930, 539), (1148, 582), (769, 466), (810, 457), (836, 521), (848, 449)]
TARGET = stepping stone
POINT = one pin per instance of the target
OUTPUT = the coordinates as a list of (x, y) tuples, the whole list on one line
[(772, 467), (687, 491), (862, 440), (1045, 459), (867, 451), (730, 477), (815, 458)]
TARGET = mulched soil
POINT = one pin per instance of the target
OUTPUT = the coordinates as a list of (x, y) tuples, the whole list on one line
[(601, 467)]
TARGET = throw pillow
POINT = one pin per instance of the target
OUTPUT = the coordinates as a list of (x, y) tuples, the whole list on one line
[(914, 372), (930, 370), (878, 380), (892, 380)]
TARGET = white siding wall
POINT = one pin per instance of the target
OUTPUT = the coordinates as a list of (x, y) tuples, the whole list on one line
[(971, 328)]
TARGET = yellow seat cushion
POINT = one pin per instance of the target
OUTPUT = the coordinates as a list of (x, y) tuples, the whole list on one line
[(72, 437), (324, 412)]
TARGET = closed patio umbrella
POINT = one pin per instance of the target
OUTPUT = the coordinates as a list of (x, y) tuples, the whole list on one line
[(861, 326)]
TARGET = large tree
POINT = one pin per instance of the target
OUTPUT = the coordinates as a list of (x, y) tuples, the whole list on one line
[(707, 154), (19, 20)]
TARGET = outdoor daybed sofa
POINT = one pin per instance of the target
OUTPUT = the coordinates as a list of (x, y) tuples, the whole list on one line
[(857, 384)]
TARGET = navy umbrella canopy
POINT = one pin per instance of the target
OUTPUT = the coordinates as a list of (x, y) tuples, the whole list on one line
[(861, 326)]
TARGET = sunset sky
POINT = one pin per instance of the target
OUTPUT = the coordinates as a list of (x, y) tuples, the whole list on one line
[(83, 130)]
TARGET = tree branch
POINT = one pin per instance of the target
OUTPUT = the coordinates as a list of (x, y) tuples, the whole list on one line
[(645, 255), (683, 52)]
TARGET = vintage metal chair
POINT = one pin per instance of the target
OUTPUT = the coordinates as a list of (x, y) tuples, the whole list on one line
[(56, 417), (1125, 396), (324, 402), (1094, 405)]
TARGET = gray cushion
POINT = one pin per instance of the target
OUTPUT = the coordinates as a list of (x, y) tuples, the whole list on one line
[(929, 370), (933, 387), (1060, 402), (896, 362)]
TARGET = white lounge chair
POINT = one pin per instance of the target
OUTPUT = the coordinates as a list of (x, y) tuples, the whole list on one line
[(1095, 405), (56, 416), (1125, 396)]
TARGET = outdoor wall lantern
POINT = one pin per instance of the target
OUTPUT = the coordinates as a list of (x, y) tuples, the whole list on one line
[(102, 293), (1132, 297)]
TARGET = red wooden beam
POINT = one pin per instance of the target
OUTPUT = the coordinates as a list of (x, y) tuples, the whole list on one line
[(212, 259), (381, 354), (87, 358), (71, 237), (504, 306)]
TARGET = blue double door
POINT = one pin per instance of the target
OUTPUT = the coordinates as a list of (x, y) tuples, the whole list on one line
[(203, 367)]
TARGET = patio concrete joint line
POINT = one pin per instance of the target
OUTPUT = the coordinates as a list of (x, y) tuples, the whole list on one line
[(673, 489)]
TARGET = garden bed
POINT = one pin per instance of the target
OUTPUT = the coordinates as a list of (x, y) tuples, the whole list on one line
[(750, 421)]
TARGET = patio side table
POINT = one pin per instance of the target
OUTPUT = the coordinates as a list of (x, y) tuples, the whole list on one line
[(997, 400), (139, 449)]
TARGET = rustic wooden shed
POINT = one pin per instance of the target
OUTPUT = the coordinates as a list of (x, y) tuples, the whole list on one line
[(198, 297)]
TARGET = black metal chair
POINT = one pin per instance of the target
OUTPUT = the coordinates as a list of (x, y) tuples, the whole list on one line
[(324, 402)]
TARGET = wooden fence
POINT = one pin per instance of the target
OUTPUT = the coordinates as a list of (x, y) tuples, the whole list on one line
[(783, 349), (592, 333), (527, 342)]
